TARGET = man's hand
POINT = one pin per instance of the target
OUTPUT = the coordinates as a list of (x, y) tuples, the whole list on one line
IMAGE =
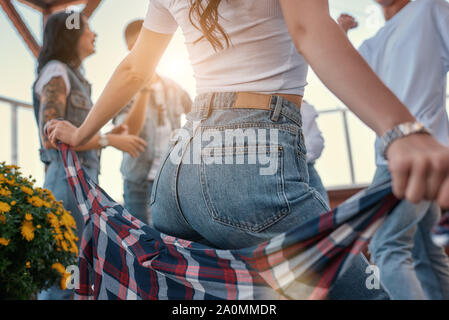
[(127, 143), (347, 22), (120, 129)]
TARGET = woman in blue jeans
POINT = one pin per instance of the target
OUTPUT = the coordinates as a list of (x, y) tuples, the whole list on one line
[(236, 174)]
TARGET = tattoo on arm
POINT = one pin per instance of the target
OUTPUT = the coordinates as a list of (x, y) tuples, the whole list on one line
[(53, 103)]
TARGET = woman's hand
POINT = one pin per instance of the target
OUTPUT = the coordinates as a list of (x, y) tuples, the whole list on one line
[(127, 143), (62, 131), (347, 22), (419, 166)]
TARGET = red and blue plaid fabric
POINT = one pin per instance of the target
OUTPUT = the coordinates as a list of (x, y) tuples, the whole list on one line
[(122, 258)]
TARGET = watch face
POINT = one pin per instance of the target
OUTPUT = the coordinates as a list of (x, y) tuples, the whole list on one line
[(103, 141)]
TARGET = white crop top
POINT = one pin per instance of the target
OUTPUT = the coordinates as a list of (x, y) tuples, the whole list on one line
[(262, 57)]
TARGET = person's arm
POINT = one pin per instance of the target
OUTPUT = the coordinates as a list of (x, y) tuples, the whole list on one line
[(130, 76), (418, 163), (340, 67), (53, 106), (136, 116)]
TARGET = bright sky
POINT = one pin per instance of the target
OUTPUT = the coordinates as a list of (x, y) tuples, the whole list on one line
[(17, 73)]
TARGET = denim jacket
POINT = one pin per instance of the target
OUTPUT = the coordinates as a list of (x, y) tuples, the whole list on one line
[(177, 102), (78, 105)]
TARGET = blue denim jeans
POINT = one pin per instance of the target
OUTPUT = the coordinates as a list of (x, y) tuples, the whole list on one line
[(316, 182), (233, 178), (411, 266), (137, 199), (56, 182)]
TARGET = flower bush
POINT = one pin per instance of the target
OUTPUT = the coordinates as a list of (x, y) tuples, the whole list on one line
[(37, 237)]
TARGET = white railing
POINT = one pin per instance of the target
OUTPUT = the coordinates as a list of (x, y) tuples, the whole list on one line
[(14, 106)]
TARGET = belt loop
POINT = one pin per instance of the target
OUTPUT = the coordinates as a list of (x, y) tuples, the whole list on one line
[(208, 107), (277, 109)]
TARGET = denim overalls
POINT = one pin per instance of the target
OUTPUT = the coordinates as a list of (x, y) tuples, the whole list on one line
[(78, 105)]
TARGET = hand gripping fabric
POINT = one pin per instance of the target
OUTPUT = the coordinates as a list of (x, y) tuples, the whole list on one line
[(122, 258)]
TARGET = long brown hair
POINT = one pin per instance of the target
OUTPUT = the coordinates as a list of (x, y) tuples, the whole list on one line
[(207, 18)]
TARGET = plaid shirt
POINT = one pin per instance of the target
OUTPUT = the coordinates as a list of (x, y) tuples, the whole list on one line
[(122, 258)]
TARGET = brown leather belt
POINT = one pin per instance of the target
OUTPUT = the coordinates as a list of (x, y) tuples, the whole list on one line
[(250, 100)]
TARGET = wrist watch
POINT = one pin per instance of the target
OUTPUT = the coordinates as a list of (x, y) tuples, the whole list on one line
[(104, 141), (400, 131)]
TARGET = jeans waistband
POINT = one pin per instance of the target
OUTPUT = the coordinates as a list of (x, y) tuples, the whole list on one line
[(206, 102)]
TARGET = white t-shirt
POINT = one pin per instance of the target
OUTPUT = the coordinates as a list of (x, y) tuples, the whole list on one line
[(262, 57), (411, 55), (53, 69), (313, 137)]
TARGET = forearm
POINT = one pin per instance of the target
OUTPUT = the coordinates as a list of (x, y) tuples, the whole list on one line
[(120, 89), (136, 117), (346, 74), (92, 144), (134, 71)]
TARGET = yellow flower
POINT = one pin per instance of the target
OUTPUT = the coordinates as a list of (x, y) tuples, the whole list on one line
[(63, 282), (58, 267), (4, 242), (74, 248), (5, 193), (13, 203), (38, 226), (53, 220), (35, 201), (27, 230), (28, 264), (27, 190), (64, 246), (28, 217), (4, 207), (68, 221), (69, 235)]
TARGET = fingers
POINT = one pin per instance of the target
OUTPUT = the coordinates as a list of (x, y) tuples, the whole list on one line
[(419, 166), (136, 146), (140, 144), (400, 171), (416, 188), (436, 177), (443, 196)]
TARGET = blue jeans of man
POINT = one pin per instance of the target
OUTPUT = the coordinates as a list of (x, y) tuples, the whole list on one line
[(56, 182), (137, 199), (214, 190), (411, 266)]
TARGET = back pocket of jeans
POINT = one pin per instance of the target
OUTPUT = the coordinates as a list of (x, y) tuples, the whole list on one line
[(164, 159), (244, 186)]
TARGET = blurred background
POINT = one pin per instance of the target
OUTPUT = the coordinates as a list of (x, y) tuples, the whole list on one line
[(347, 161)]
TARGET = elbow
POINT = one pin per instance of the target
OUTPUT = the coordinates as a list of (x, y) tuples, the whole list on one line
[(132, 74)]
